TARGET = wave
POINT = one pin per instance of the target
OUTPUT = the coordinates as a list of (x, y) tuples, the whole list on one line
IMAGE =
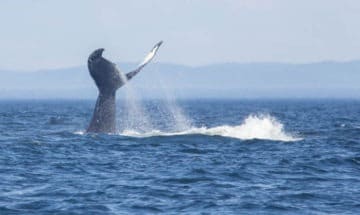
[(263, 127)]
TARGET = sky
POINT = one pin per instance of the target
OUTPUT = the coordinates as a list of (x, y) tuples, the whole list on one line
[(41, 34)]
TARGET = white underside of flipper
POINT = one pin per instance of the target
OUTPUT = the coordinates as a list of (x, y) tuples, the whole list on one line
[(151, 55), (146, 60)]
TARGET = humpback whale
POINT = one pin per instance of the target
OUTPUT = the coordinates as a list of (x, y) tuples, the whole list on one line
[(108, 78)]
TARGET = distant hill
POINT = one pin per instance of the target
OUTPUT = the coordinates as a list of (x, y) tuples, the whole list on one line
[(228, 80)]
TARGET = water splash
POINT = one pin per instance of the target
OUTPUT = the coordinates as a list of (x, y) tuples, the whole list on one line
[(166, 115), (134, 116), (179, 120), (253, 127)]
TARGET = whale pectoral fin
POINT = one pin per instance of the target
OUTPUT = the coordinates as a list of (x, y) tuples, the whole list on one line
[(131, 74), (147, 59)]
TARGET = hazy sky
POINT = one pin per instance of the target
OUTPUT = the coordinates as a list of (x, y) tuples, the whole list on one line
[(41, 34)]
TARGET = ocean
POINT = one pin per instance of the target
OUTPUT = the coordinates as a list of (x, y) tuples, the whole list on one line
[(261, 156)]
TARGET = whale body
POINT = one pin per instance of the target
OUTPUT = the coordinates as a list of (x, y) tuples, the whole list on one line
[(108, 79)]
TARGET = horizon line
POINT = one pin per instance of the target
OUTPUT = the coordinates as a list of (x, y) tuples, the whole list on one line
[(191, 66)]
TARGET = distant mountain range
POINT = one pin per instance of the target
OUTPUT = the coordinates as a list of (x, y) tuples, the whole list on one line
[(228, 80)]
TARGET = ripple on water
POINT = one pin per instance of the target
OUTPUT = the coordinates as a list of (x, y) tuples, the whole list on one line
[(47, 168)]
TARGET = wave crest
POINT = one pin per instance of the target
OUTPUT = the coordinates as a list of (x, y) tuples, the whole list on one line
[(263, 127)]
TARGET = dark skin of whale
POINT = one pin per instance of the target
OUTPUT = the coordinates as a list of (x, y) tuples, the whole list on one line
[(108, 79)]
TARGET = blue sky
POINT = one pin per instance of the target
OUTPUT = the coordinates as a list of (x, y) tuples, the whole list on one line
[(39, 34)]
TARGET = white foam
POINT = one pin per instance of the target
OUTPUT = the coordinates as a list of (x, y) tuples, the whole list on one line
[(253, 127), (81, 132)]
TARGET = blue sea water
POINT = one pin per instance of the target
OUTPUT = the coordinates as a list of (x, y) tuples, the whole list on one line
[(230, 157)]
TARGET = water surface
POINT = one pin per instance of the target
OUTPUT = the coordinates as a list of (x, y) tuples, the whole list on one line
[(225, 157)]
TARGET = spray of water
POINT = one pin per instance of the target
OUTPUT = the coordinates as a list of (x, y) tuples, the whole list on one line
[(178, 119), (166, 115), (136, 121), (133, 114)]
